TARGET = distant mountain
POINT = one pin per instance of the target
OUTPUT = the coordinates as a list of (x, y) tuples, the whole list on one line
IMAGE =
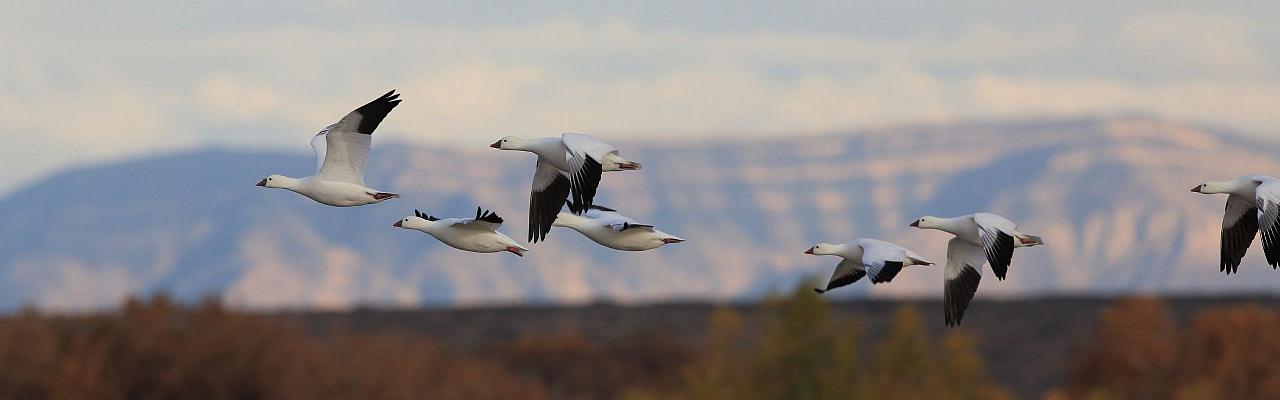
[(1109, 195)]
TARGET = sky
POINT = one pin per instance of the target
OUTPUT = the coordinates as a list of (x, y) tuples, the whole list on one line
[(92, 82)]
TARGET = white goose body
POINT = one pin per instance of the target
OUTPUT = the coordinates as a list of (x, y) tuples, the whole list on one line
[(1253, 205), (334, 193), (478, 235), (862, 257), (568, 165), (980, 238), (342, 150), (613, 230)]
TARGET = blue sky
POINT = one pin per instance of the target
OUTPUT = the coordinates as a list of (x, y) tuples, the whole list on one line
[(85, 83)]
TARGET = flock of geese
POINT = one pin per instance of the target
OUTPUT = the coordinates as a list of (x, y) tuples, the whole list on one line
[(568, 172)]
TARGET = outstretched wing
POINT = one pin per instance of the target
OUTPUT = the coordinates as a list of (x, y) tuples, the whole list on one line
[(1267, 196), (550, 189), (319, 142), (960, 280), (1239, 226), (484, 220), (585, 156), (614, 219), (882, 260), (347, 142), (996, 234), (847, 272)]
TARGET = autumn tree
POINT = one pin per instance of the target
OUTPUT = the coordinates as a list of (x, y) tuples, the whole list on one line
[(1140, 352)]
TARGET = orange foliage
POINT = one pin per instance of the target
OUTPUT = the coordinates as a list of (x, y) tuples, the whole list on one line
[(155, 350), (1139, 352)]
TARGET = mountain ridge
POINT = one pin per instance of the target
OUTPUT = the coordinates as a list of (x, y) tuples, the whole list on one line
[(1106, 193)]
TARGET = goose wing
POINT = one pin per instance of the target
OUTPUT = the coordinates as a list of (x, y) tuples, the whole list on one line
[(550, 189), (586, 155), (1267, 197), (882, 260), (347, 142), (614, 219), (1239, 226), (319, 142), (846, 272), (996, 234), (960, 280), (484, 220)]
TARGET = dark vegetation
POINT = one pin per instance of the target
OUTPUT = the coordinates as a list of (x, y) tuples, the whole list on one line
[(793, 347)]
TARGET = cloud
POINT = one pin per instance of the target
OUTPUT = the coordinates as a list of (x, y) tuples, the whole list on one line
[(141, 84)]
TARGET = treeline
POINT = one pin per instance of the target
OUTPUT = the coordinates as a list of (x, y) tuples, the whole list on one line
[(155, 349), (1140, 351)]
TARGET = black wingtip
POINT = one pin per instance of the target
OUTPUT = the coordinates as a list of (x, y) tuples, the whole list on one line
[(375, 111), (423, 215), (819, 291), (487, 216), (585, 184), (601, 208), (545, 206)]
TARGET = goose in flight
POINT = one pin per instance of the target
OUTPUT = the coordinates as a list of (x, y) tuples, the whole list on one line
[(979, 238), (1253, 204), (570, 163), (613, 230), (479, 234), (879, 259), (341, 152)]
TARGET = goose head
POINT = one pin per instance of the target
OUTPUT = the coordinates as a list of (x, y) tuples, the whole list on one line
[(277, 182), (1212, 187), (822, 249), (418, 221), (508, 143), (927, 222)]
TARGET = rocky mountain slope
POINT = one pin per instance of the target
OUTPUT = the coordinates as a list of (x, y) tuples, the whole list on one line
[(1109, 195)]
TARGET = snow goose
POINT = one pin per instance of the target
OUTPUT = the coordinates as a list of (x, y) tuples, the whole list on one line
[(479, 234), (571, 162), (613, 230), (880, 259), (341, 152), (976, 235), (1253, 201)]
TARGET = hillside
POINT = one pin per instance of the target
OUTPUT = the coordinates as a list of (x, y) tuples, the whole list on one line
[(1109, 195), (1027, 344)]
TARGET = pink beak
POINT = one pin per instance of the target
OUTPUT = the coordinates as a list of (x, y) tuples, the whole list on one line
[(516, 250), (496, 145), (809, 251), (671, 240), (262, 183), (1196, 189), (397, 224)]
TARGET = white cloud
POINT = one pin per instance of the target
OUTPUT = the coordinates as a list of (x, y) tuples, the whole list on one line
[(112, 90)]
